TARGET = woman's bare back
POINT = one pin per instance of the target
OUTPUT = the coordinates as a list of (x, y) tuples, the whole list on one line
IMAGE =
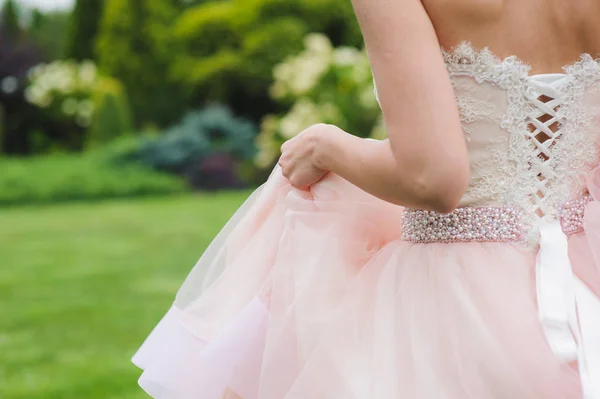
[(547, 34)]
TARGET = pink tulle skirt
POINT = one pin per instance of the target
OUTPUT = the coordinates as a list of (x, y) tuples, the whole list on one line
[(313, 295)]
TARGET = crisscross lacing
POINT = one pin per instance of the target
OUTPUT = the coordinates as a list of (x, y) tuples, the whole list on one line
[(543, 134)]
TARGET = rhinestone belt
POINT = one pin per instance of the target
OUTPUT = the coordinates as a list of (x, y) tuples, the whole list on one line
[(500, 224)]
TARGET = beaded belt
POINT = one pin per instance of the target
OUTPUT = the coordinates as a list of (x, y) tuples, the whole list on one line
[(483, 224)]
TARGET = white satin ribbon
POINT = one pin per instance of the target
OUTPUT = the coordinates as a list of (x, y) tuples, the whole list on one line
[(569, 312), (555, 291)]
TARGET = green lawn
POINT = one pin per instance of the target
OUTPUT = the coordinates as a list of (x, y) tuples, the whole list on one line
[(82, 284)]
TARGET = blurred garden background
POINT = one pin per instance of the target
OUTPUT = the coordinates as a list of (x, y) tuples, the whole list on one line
[(130, 131)]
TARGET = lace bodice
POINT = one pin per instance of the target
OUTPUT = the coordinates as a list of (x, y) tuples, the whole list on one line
[(531, 138)]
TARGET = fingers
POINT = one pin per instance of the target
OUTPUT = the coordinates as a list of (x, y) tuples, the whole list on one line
[(292, 175), (286, 169), (285, 147), (300, 185)]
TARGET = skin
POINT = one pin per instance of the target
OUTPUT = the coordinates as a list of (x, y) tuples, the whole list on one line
[(424, 163)]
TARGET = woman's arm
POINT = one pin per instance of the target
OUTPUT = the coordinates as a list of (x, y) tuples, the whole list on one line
[(424, 163), (416, 181)]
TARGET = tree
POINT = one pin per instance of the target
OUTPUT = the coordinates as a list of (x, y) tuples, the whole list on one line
[(48, 31), (10, 19), (135, 45), (19, 119), (85, 20), (37, 19)]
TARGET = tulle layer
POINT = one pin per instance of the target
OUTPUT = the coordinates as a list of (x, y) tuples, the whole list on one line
[(312, 295)]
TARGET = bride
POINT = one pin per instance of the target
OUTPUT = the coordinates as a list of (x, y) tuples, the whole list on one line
[(459, 259)]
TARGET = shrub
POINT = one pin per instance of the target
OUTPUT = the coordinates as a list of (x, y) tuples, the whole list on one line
[(205, 145), (77, 93), (64, 88), (88, 176), (112, 117), (321, 84)]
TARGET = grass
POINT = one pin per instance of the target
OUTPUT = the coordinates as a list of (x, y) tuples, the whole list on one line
[(82, 284)]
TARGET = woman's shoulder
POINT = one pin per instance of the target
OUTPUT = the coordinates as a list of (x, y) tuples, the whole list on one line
[(466, 11)]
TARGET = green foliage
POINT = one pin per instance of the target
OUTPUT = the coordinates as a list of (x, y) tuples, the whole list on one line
[(268, 46), (135, 45), (87, 176), (84, 22), (49, 33), (229, 48), (10, 19), (203, 31), (321, 84), (334, 18), (213, 24), (112, 116)]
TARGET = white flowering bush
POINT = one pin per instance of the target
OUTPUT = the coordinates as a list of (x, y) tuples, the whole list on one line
[(66, 88), (322, 84), (78, 94)]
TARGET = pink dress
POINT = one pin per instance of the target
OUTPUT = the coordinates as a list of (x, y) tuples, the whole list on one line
[(335, 294)]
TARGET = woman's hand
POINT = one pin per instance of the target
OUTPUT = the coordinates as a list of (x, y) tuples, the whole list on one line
[(299, 157)]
